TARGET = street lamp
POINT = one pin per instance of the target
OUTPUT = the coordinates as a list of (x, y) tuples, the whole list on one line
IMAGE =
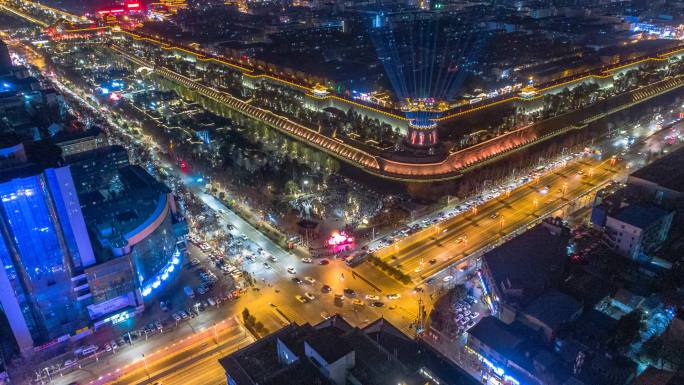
[(145, 363), (501, 222), (215, 333)]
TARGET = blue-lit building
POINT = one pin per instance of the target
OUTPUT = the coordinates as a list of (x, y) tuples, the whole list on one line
[(44, 246), (137, 218), (80, 256)]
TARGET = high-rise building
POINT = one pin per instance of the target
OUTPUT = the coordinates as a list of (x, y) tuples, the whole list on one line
[(44, 245), (96, 169), (5, 59)]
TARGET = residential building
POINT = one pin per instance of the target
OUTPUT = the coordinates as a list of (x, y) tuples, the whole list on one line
[(636, 231), (661, 182), (79, 141)]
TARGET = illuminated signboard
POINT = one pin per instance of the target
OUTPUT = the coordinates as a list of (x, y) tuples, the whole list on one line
[(339, 238)]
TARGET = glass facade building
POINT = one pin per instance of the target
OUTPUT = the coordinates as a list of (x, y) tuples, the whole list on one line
[(44, 245)]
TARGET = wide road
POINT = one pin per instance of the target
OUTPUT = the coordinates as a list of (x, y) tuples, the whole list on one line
[(431, 250)]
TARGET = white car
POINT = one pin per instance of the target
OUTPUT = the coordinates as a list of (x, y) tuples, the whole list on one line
[(273, 258), (291, 270), (306, 260), (309, 296), (393, 296), (447, 278), (372, 297), (310, 280)]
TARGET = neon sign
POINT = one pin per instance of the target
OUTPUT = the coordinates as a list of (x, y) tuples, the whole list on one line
[(339, 238)]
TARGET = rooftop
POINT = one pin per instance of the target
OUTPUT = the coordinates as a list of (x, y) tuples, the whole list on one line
[(640, 216), (329, 344), (127, 210), (666, 171), (496, 334), (521, 264), (553, 308), (383, 355)]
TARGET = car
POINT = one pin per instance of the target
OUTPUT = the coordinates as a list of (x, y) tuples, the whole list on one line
[(432, 261), (108, 348), (211, 301), (475, 314), (272, 258), (164, 305), (291, 270), (372, 297), (69, 363), (306, 260), (309, 296), (266, 265), (158, 324), (183, 314), (459, 317), (466, 312), (202, 289), (349, 292), (326, 289), (325, 315), (447, 278), (88, 350), (310, 280), (339, 297), (176, 317), (358, 302), (300, 298), (471, 323), (114, 345), (460, 240), (194, 262), (393, 296), (323, 262), (494, 215), (297, 280), (377, 304)]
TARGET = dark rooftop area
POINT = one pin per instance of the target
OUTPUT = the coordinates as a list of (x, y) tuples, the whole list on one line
[(329, 345), (640, 216), (494, 333), (522, 264), (666, 171), (553, 308)]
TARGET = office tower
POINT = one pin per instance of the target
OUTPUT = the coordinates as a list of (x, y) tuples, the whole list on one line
[(44, 245)]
